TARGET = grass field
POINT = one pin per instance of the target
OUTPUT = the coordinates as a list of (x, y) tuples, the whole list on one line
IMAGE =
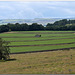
[(51, 62), (19, 38), (55, 62), (43, 42), (35, 38)]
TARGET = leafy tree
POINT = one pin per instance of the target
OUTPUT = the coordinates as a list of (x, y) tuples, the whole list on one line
[(4, 28), (24, 27), (4, 50), (11, 26), (36, 26), (61, 22)]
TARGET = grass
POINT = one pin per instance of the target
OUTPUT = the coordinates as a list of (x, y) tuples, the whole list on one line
[(38, 48), (56, 62), (15, 34), (45, 36), (43, 42), (35, 38), (33, 33), (51, 62)]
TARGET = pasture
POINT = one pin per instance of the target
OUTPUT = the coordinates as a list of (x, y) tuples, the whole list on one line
[(53, 62), (23, 41), (42, 62)]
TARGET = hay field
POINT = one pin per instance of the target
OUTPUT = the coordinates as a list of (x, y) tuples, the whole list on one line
[(52, 62), (24, 61), (25, 41)]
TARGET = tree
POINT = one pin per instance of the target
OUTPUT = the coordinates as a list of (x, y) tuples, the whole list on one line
[(61, 22), (4, 28), (24, 27), (36, 27), (4, 50)]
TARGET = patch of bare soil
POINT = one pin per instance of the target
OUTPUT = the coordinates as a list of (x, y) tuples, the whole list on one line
[(10, 32)]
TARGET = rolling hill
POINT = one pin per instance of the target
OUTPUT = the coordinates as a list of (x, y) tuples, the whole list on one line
[(42, 21)]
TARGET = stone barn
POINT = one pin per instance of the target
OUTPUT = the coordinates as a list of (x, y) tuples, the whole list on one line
[(37, 35)]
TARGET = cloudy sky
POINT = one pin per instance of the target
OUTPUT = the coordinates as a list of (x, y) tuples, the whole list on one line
[(31, 10)]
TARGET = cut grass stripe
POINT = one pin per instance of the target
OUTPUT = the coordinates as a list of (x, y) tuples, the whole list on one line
[(43, 42), (35, 38), (15, 34), (38, 48)]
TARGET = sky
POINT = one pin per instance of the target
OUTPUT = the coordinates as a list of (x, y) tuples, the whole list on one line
[(41, 9)]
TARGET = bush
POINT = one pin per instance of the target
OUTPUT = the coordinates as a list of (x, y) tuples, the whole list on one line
[(4, 50)]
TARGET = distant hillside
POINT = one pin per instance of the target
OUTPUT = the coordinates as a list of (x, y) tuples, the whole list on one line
[(43, 21)]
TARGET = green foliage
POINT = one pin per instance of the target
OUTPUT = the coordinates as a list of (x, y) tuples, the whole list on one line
[(36, 27), (9, 30), (4, 28), (61, 25), (4, 50)]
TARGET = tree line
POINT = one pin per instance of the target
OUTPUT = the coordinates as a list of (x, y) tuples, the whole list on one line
[(61, 25)]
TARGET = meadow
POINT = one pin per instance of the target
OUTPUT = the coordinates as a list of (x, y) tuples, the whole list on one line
[(52, 62), (52, 53), (23, 41)]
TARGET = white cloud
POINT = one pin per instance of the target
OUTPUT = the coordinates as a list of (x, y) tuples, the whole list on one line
[(19, 10)]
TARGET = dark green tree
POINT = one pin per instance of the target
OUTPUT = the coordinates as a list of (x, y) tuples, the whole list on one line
[(24, 27), (4, 28), (4, 50), (36, 27)]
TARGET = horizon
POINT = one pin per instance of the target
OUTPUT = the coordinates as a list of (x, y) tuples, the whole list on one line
[(43, 18)]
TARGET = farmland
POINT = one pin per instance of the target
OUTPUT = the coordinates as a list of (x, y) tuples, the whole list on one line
[(25, 41), (53, 62), (54, 52)]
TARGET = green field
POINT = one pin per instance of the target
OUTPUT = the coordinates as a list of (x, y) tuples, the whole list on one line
[(44, 42), (51, 62), (19, 38), (35, 38)]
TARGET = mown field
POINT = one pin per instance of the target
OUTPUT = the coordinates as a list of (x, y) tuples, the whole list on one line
[(60, 58), (25, 41)]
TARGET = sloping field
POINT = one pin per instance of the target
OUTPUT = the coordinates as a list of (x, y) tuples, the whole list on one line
[(28, 54), (55, 62), (25, 41)]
